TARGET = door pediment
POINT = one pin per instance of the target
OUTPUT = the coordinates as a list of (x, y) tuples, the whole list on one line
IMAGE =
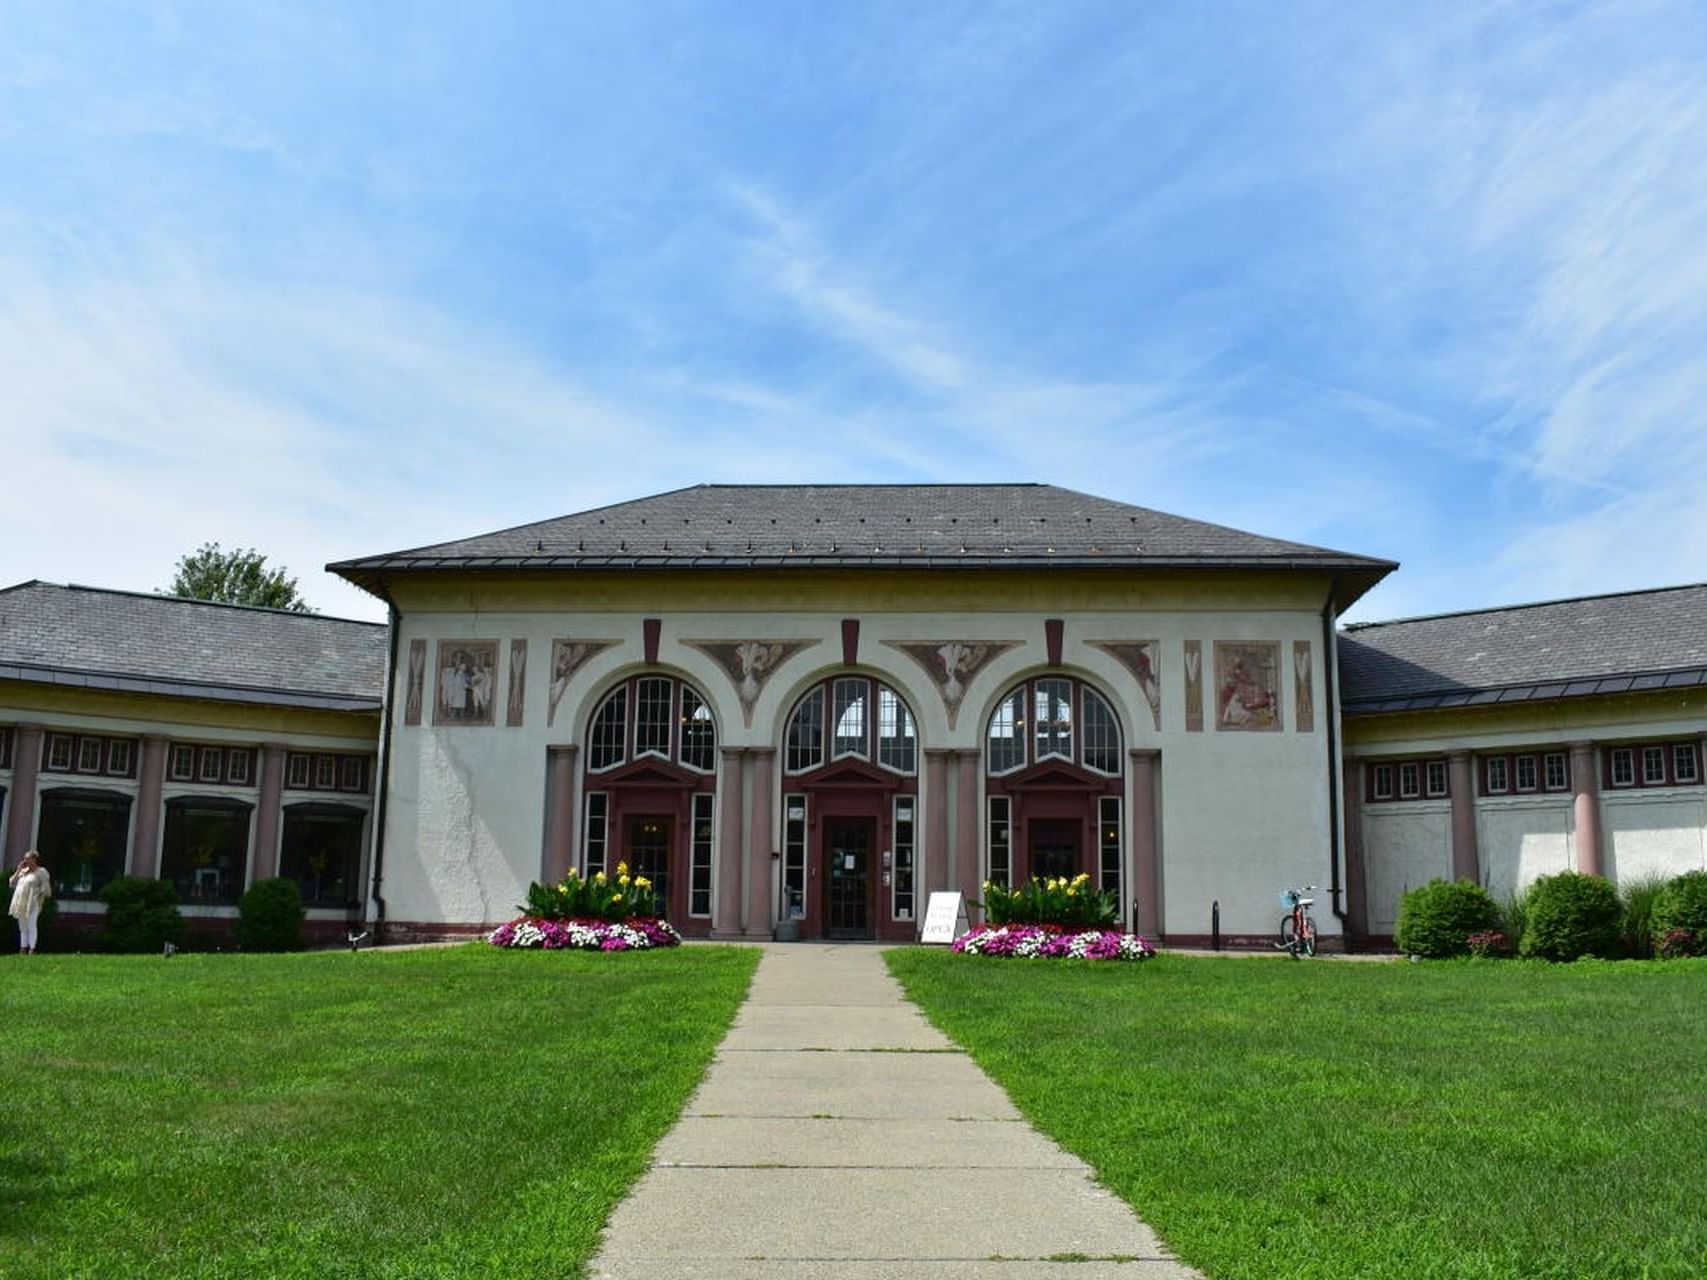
[(849, 773), (1057, 775), (648, 772)]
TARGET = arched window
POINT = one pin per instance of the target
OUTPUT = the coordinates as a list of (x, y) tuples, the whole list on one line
[(1053, 718), (656, 716), (866, 720)]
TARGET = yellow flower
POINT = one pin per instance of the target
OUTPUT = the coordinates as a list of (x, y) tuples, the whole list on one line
[(641, 882), (1083, 877), (622, 868), (616, 897), (599, 878), (1072, 892), (622, 879)]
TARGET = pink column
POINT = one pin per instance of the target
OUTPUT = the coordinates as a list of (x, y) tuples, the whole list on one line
[(966, 840), (21, 800), (267, 819), (145, 833), (559, 812), (761, 918), (1461, 778), (1356, 883), (1146, 865), (936, 821), (1585, 782), (731, 786)]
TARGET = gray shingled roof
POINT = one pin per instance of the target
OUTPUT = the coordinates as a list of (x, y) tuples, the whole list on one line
[(1558, 649), (90, 638), (866, 526)]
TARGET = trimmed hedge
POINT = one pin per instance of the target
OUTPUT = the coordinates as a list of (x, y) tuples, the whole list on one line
[(1570, 916), (270, 915), (1680, 916), (142, 915), (1437, 919)]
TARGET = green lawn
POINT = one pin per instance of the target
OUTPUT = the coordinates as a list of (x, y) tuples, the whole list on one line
[(1359, 1121), (461, 1112)]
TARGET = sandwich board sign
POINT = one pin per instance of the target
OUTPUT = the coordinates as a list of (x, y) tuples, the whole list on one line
[(945, 918)]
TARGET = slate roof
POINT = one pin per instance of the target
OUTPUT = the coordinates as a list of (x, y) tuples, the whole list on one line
[(1557, 649), (867, 526), (95, 639)]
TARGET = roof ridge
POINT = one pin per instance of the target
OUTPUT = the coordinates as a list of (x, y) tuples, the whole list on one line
[(1351, 627), (192, 600)]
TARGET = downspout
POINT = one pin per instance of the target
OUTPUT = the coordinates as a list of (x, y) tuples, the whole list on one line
[(1330, 668), (382, 800)]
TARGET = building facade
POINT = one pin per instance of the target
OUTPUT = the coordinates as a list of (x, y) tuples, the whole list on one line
[(820, 704)]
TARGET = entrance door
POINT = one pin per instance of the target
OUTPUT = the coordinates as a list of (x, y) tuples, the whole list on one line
[(1055, 847), (847, 855), (646, 848)]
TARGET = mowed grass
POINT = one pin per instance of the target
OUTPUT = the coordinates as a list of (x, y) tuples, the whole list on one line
[(1352, 1120), (437, 1113)]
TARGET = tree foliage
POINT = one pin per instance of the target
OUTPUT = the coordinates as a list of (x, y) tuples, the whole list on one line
[(238, 576)]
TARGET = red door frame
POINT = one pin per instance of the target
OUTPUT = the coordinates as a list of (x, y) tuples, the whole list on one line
[(1051, 792), (655, 789), (854, 789)]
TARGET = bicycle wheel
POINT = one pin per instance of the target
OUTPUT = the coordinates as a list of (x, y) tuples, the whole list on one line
[(1308, 941), (1289, 935)]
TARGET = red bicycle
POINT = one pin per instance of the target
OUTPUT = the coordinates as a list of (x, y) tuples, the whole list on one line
[(1297, 929)]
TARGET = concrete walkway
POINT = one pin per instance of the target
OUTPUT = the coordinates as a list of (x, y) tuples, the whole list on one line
[(838, 1134)]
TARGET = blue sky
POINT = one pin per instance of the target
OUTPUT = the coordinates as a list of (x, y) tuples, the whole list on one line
[(1424, 282)]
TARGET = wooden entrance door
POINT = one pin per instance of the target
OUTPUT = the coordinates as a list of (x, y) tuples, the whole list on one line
[(646, 843), (848, 911), (1055, 848)]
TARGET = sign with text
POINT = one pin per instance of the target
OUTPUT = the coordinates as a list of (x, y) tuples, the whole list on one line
[(945, 918)]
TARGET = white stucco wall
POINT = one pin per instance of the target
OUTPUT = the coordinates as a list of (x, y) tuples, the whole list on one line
[(1655, 833), (1405, 845)]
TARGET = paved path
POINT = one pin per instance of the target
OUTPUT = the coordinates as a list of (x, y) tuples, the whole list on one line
[(839, 1136)]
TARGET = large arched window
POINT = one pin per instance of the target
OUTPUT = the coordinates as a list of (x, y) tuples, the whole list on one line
[(851, 717), (1053, 718), (656, 716)]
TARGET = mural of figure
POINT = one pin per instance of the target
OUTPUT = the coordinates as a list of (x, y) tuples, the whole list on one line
[(957, 659), (1246, 691), (567, 657), (465, 680), (756, 658)]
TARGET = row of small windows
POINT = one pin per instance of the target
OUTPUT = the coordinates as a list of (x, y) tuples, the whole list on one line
[(193, 762), (670, 721), (1665, 764)]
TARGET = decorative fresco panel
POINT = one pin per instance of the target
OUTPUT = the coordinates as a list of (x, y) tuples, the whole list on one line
[(1143, 659), (953, 664), (1194, 686), (417, 682), (516, 705), (467, 674), (1247, 685), (568, 657), (749, 664), (1303, 694)]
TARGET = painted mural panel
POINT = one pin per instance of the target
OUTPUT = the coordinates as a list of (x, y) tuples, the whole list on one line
[(1247, 685), (1194, 686), (1303, 691), (412, 701), (516, 704), (467, 675), (749, 664), (953, 664), (1143, 659)]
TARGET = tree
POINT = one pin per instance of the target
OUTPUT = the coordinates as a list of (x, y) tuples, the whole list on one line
[(239, 576)]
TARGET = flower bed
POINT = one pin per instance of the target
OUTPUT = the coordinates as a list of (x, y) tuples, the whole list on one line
[(640, 934), (1047, 942)]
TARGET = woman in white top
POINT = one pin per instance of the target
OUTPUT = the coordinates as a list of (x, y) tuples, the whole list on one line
[(31, 887)]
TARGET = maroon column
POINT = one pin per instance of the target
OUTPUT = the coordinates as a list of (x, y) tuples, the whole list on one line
[(936, 821), (559, 812), (21, 802), (760, 916), (731, 786), (1461, 778), (966, 828), (267, 819), (1585, 782), (1146, 865), (145, 835), (1356, 884)]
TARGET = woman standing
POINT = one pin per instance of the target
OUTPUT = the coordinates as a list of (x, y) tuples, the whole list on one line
[(30, 889)]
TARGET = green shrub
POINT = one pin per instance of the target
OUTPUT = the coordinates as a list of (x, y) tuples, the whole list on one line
[(142, 915), (1514, 915), (1571, 916), (1680, 915), (1437, 919), (1636, 928), (269, 916), (1073, 903), (598, 897)]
